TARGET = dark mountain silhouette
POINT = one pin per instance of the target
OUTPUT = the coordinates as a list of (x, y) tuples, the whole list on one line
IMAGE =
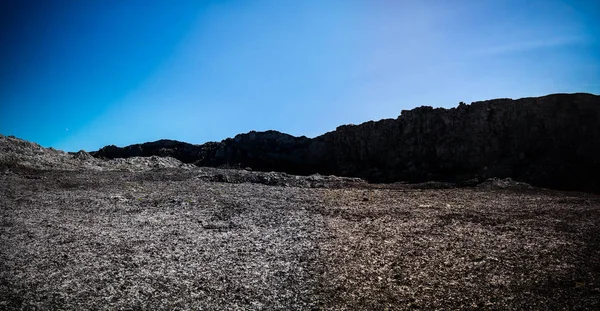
[(550, 141)]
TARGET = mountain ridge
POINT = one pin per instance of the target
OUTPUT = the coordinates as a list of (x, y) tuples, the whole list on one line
[(549, 141)]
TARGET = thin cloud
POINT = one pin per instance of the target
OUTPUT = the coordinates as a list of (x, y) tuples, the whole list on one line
[(530, 45)]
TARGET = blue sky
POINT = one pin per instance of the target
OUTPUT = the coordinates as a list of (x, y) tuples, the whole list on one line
[(84, 74)]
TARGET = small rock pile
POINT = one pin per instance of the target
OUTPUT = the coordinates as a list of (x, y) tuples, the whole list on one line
[(503, 183), (15, 152)]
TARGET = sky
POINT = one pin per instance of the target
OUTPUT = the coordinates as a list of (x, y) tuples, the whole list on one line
[(85, 74)]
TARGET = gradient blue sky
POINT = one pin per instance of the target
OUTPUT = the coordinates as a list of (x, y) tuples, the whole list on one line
[(84, 74)]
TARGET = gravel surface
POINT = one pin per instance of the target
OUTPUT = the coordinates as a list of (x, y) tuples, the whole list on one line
[(209, 239)]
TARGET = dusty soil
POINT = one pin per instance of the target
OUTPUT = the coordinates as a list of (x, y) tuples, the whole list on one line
[(201, 239)]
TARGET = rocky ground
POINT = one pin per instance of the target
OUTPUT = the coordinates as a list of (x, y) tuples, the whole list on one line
[(140, 235)]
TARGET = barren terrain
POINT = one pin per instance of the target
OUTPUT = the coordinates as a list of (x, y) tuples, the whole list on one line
[(210, 239)]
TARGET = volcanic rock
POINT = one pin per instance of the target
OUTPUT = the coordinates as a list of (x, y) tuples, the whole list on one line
[(551, 141)]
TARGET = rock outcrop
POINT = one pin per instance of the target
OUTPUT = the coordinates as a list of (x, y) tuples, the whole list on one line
[(551, 141), (18, 154)]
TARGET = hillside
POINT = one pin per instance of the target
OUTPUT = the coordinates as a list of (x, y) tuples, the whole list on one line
[(550, 141)]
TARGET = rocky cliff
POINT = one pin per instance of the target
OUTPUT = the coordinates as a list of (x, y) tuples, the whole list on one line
[(551, 141)]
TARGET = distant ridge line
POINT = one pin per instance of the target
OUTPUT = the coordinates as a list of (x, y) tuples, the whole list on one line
[(549, 141)]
